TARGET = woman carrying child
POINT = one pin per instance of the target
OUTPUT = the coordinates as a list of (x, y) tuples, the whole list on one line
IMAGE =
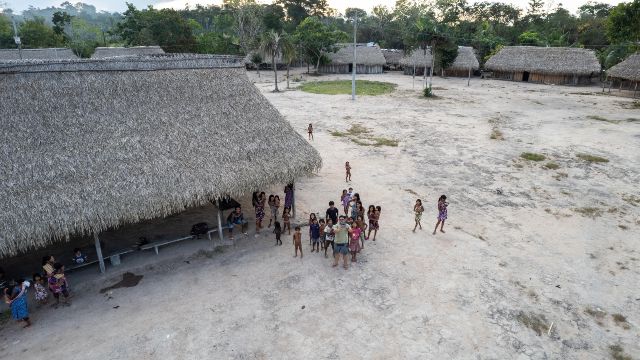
[(418, 209), (16, 298), (58, 284)]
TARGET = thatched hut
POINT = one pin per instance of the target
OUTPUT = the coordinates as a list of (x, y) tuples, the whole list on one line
[(465, 63), (369, 60), (549, 65), (107, 52), (417, 62), (392, 58), (627, 71), (91, 144), (31, 54)]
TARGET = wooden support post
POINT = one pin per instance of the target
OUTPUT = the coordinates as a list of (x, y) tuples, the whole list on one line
[(220, 235), (99, 252), (293, 200), (469, 78)]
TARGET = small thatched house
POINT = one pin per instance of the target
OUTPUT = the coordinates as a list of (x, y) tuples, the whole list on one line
[(549, 65), (392, 57), (465, 63), (31, 54), (369, 60), (627, 71), (417, 62), (91, 144), (107, 52)]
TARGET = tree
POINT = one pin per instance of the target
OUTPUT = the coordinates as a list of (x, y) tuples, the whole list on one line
[(623, 23), (60, 19), (82, 37), (273, 17), (6, 32), (271, 46), (531, 38), (298, 10), (445, 55), (248, 23), (289, 53), (317, 38), (36, 34)]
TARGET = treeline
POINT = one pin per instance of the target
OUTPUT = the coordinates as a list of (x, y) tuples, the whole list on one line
[(241, 26)]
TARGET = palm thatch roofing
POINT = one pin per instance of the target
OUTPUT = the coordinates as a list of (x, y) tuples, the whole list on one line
[(465, 60), (417, 58), (392, 56), (544, 60), (91, 144), (106, 52), (365, 55), (30, 54), (629, 69)]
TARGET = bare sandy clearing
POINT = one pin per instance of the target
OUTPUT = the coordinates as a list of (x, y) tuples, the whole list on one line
[(508, 267)]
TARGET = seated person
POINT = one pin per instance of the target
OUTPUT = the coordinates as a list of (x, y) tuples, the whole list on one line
[(236, 218), (78, 258)]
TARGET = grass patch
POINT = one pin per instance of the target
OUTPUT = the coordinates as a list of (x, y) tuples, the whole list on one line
[(363, 87), (338, 134), (601, 118), (591, 212), (592, 158), (621, 321), (633, 105), (532, 156), (617, 353), (361, 135), (560, 175), (631, 199), (551, 165), (537, 323), (496, 134), (357, 129)]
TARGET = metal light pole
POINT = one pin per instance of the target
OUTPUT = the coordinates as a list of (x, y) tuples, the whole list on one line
[(16, 38), (353, 73)]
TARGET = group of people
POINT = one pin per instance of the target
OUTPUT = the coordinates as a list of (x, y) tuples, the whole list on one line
[(52, 281), (418, 209)]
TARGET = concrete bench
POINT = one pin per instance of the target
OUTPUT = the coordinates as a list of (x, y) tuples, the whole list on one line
[(157, 244), (226, 226)]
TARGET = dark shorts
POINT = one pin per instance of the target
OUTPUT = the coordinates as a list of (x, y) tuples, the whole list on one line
[(341, 249), (315, 240)]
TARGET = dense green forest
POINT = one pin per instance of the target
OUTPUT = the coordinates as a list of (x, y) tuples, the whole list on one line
[(311, 27)]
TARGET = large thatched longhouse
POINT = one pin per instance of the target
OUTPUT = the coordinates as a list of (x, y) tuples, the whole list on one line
[(369, 60), (627, 71), (91, 144), (465, 63), (107, 52), (392, 58), (31, 54), (549, 65), (417, 62)]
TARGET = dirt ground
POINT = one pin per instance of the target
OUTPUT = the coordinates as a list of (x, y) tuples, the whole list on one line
[(538, 262)]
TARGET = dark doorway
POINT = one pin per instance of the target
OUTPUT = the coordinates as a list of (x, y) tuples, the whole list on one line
[(525, 76), (350, 68)]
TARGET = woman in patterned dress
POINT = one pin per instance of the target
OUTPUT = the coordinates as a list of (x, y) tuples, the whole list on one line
[(442, 213), (259, 204), (418, 209)]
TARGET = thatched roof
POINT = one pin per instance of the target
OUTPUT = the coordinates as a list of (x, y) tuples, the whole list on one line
[(29, 54), (90, 144), (545, 60), (107, 52), (392, 56), (465, 60), (265, 59), (418, 58), (629, 69), (365, 55)]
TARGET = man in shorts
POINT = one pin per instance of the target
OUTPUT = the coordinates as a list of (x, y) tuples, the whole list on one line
[(341, 239)]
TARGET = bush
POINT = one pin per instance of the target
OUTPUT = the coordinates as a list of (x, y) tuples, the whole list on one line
[(427, 92)]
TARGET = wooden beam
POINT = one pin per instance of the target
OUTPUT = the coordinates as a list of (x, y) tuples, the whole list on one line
[(99, 252)]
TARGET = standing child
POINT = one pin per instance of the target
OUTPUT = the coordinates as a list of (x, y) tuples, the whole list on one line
[(442, 213), (363, 227), (312, 218), (418, 209), (314, 232), (347, 168), (322, 226), (297, 241), (274, 215), (16, 298), (310, 130), (286, 220), (58, 284), (41, 295), (328, 236), (278, 231), (373, 222), (344, 199), (354, 242)]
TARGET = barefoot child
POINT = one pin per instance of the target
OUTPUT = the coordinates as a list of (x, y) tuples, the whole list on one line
[(373, 222), (278, 231), (418, 209), (314, 233), (328, 236), (354, 242), (347, 168), (310, 131), (341, 235), (312, 217), (274, 214), (442, 213), (322, 226), (41, 293), (297, 241), (344, 199), (363, 227), (286, 220)]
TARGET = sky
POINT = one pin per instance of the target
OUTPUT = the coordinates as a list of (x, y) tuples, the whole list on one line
[(340, 5)]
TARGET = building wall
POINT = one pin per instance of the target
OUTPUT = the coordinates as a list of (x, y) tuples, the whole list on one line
[(408, 70), (557, 79), (344, 69), (458, 73)]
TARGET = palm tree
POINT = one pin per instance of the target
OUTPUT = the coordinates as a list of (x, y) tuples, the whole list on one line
[(289, 52), (272, 46)]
